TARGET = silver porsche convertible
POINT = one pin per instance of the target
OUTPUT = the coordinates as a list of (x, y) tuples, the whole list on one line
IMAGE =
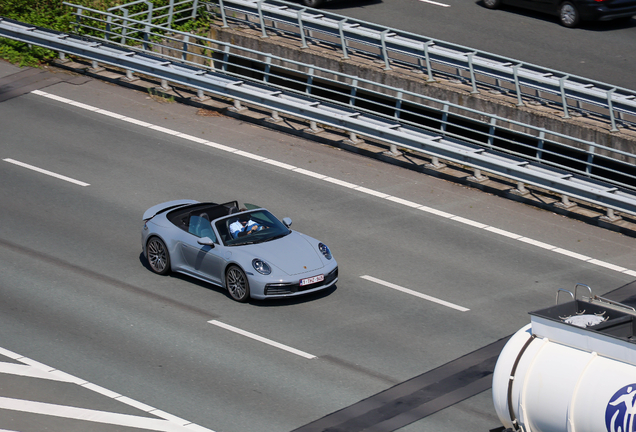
[(245, 250)]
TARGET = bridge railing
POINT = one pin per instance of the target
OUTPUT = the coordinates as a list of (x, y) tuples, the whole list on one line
[(435, 58), (479, 69)]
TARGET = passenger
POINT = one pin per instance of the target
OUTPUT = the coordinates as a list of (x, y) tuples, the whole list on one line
[(244, 226)]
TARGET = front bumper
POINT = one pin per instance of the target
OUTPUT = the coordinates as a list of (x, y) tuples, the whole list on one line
[(603, 13), (273, 290)]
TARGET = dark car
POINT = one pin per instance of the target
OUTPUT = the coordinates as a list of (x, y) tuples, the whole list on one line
[(313, 3), (572, 12)]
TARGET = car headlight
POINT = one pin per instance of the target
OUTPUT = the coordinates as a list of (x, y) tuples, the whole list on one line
[(261, 266), (325, 250)]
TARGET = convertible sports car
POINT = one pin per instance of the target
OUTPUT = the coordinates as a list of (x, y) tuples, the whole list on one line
[(248, 252)]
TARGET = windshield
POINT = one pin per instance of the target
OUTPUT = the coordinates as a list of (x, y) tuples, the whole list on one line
[(250, 227)]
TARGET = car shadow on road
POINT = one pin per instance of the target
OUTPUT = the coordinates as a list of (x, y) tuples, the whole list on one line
[(185, 278)]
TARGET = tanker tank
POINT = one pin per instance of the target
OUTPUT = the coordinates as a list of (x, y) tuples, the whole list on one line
[(572, 369)]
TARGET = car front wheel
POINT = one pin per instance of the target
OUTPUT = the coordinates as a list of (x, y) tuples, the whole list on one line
[(492, 4), (237, 284), (158, 256), (569, 15)]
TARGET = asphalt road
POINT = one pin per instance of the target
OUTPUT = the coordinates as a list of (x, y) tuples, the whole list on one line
[(76, 295), (598, 51)]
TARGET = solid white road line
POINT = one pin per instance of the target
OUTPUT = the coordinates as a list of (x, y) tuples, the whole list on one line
[(415, 293), (359, 188), (435, 3), (30, 371), (262, 339), (49, 173), (166, 422), (74, 413)]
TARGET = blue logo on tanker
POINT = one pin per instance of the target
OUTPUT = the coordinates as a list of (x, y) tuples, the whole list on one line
[(621, 410)]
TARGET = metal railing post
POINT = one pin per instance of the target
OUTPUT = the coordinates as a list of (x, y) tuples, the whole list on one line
[(515, 72), (301, 28), (590, 159), (444, 118), (610, 105), (310, 80), (343, 41), (150, 12), (223, 17), (195, 10), (268, 66), (170, 13), (146, 44), (435, 164), (429, 70), (398, 105), (78, 23), (564, 101), (108, 28), (521, 189), (124, 27), (261, 19), (540, 144), (472, 72), (491, 132), (385, 54), (352, 93), (184, 54), (226, 57)]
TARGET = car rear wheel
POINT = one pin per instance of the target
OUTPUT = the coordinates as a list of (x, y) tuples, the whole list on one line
[(158, 256), (237, 284), (569, 15), (492, 4)]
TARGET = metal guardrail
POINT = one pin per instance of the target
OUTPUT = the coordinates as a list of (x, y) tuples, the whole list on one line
[(177, 11), (434, 57), (407, 108), (341, 117)]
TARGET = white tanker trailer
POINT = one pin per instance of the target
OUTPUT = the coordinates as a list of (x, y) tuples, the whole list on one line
[(572, 369)]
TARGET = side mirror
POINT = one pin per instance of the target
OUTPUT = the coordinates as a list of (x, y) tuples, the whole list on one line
[(206, 241), (287, 221)]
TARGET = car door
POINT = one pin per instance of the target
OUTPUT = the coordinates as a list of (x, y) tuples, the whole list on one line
[(537, 5), (202, 260), (549, 6)]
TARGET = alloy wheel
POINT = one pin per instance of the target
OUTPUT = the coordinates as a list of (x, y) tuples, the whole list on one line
[(157, 256), (237, 285)]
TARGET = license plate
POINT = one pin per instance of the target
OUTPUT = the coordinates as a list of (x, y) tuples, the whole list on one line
[(312, 280)]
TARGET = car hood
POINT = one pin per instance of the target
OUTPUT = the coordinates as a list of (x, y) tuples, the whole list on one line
[(293, 254)]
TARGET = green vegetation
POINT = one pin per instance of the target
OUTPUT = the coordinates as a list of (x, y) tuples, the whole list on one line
[(45, 13), (52, 14)]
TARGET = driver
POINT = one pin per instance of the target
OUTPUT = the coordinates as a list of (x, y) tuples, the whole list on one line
[(243, 226)]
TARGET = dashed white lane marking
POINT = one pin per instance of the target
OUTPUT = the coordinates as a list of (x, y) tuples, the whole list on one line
[(31, 368), (49, 173), (262, 339), (359, 188), (435, 3), (415, 293)]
